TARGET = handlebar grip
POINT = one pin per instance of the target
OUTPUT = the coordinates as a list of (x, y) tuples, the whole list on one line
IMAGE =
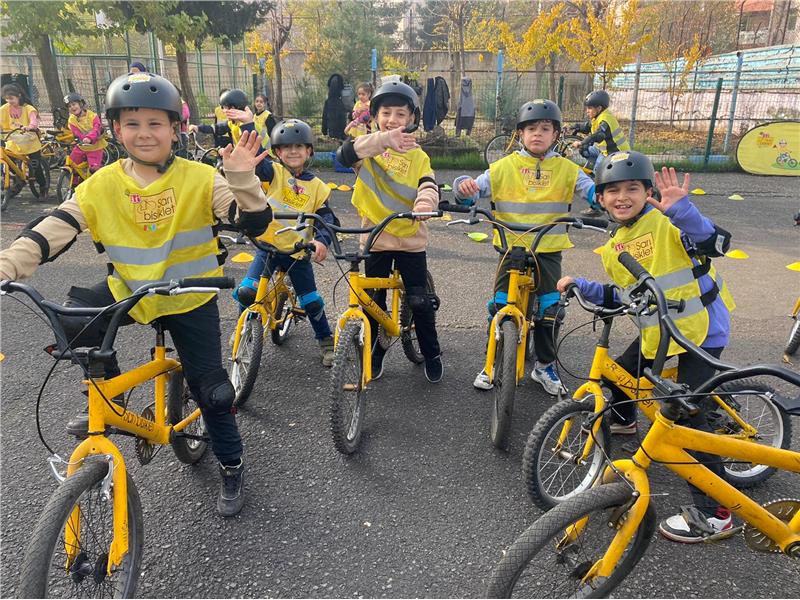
[(285, 215), (595, 222), (633, 266), (223, 283), (456, 208), (298, 246)]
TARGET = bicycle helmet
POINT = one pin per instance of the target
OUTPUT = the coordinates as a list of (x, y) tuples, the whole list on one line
[(538, 110), (625, 166), (234, 98), (292, 131), (74, 97), (398, 90), (142, 90), (597, 98)]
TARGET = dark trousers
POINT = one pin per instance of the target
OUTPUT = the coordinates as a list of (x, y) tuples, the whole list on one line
[(692, 371), (38, 169), (413, 269), (196, 336)]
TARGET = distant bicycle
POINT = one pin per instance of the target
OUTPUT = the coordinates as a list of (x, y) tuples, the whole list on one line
[(508, 142)]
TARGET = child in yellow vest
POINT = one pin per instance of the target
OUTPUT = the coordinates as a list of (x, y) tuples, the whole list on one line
[(87, 128), (675, 243), (153, 214), (19, 112), (532, 187), (359, 125), (395, 175), (291, 188), (264, 120)]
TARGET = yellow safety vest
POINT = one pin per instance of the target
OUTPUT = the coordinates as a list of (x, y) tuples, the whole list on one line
[(285, 193), (234, 128), (616, 132), (387, 184), (219, 114), (19, 143), (656, 243), (260, 121), (530, 191), (156, 233), (86, 124)]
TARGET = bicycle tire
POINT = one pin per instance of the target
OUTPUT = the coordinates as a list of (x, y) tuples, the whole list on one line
[(43, 572), (246, 358), (346, 376), (37, 190), (180, 404), (497, 148), (541, 464), (776, 432), (283, 308), (5, 192), (408, 332), (63, 185), (110, 154), (536, 548), (794, 337), (505, 385)]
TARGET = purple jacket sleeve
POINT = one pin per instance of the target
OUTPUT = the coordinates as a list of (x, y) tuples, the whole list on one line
[(686, 217)]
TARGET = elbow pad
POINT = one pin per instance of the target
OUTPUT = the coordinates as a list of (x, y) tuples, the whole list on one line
[(254, 223), (346, 154), (717, 245), (42, 242)]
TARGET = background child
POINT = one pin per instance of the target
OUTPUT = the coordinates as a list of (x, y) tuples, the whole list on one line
[(263, 119), (87, 128), (532, 187), (18, 112), (359, 125), (675, 243)]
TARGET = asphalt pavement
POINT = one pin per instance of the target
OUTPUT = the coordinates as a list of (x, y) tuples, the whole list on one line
[(426, 507)]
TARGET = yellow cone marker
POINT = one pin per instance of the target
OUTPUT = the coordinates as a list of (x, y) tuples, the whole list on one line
[(332, 185), (598, 250), (794, 266), (242, 257), (737, 254), (344, 188), (2, 357), (446, 217), (477, 236), (447, 188), (698, 192), (735, 197)]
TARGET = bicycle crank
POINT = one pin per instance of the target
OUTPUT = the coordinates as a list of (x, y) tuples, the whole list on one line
[(145, 451), (785, 509)]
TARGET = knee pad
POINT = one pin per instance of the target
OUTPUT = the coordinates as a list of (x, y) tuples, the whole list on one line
[(214, 392), (245, 294), (552, 315), (420, 299), (312, 303)]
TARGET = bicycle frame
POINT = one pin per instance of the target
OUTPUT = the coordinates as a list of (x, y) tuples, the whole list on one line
[(18, 169), (82, 169), (266, 304)]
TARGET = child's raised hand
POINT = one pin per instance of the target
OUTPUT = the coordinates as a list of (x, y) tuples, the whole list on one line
[(468, 188), (246, 155), (399, 141), (240, 116), (563, 283), (671, 192)]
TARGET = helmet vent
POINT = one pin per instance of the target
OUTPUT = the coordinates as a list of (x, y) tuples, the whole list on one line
[(153, 88), (126, 87)]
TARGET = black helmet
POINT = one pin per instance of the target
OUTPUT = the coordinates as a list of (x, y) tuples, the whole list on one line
[(292, 131), (624, 166), (234, 98), (398, 89), (597, 98), (142, 90), (537, 110), (74, 97)]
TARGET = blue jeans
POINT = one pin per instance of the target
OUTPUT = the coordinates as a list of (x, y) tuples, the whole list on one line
[(301, 274)]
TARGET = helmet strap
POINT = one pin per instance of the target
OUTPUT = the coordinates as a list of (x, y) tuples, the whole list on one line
[(160, 168)]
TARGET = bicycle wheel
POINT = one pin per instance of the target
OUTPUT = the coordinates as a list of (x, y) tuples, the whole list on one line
[(37, 190), (247, 358), (180, 404), (43, 570), (505, 384), (552, 471), (543, 563), (347, 398), (565, 149), (4, 189), (283, 310), (794, 337), (752, 400), (63, 185), (110, 154), (498, 147), (408, 332)]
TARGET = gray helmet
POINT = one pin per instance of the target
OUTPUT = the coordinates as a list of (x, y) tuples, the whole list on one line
[(234, 98), (142, 90), (597, 98), (625, 166), (74, 97), (292, 131), (539, 109), (395, 89)]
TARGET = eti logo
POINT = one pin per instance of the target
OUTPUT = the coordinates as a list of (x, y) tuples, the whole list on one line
[(619, 247), (136, 199)]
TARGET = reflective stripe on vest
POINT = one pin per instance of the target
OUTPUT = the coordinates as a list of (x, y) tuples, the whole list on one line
[(148, 256), (616, 132), (193, 268), (532, 192)]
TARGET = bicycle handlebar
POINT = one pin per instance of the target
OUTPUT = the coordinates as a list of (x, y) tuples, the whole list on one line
[(269, 248)]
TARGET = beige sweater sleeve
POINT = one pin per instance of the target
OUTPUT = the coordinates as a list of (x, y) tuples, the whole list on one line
[(241, 187)]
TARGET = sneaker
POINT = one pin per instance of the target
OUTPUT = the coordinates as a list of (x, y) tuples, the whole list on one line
[(326, 351), (692, 526), (378, 355), (549, 379), (620, 429), (592, 212), (482, 382), (434, 369), (231, 490)]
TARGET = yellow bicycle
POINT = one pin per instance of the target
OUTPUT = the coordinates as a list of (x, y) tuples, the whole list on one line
[(89, 539), (70, 173), (15, 167), (794, 335), (587, 545)]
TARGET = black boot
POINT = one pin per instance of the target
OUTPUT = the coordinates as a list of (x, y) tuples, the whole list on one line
[(231, 490)]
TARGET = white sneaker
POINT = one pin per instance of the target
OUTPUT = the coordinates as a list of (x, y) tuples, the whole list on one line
[(547, 376), (678, 529), (482, 382)]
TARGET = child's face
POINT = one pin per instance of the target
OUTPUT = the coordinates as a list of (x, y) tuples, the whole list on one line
[(75, 108), (538, 136), (392, 117), (593, 111), (623, 199), (11, 99), (293, 156), (147, 133), (363, 95), (259, 103)]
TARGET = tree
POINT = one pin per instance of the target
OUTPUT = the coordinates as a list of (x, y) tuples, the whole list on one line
[(279, 28), (35, 25)]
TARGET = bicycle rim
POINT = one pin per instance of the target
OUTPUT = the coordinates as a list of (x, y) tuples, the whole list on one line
[(347, 394)]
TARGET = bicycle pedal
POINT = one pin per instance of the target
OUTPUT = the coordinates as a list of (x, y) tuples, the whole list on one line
[(723, 535)]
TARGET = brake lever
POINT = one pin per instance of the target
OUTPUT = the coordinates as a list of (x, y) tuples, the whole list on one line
[(298, 227), (463, 222)]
